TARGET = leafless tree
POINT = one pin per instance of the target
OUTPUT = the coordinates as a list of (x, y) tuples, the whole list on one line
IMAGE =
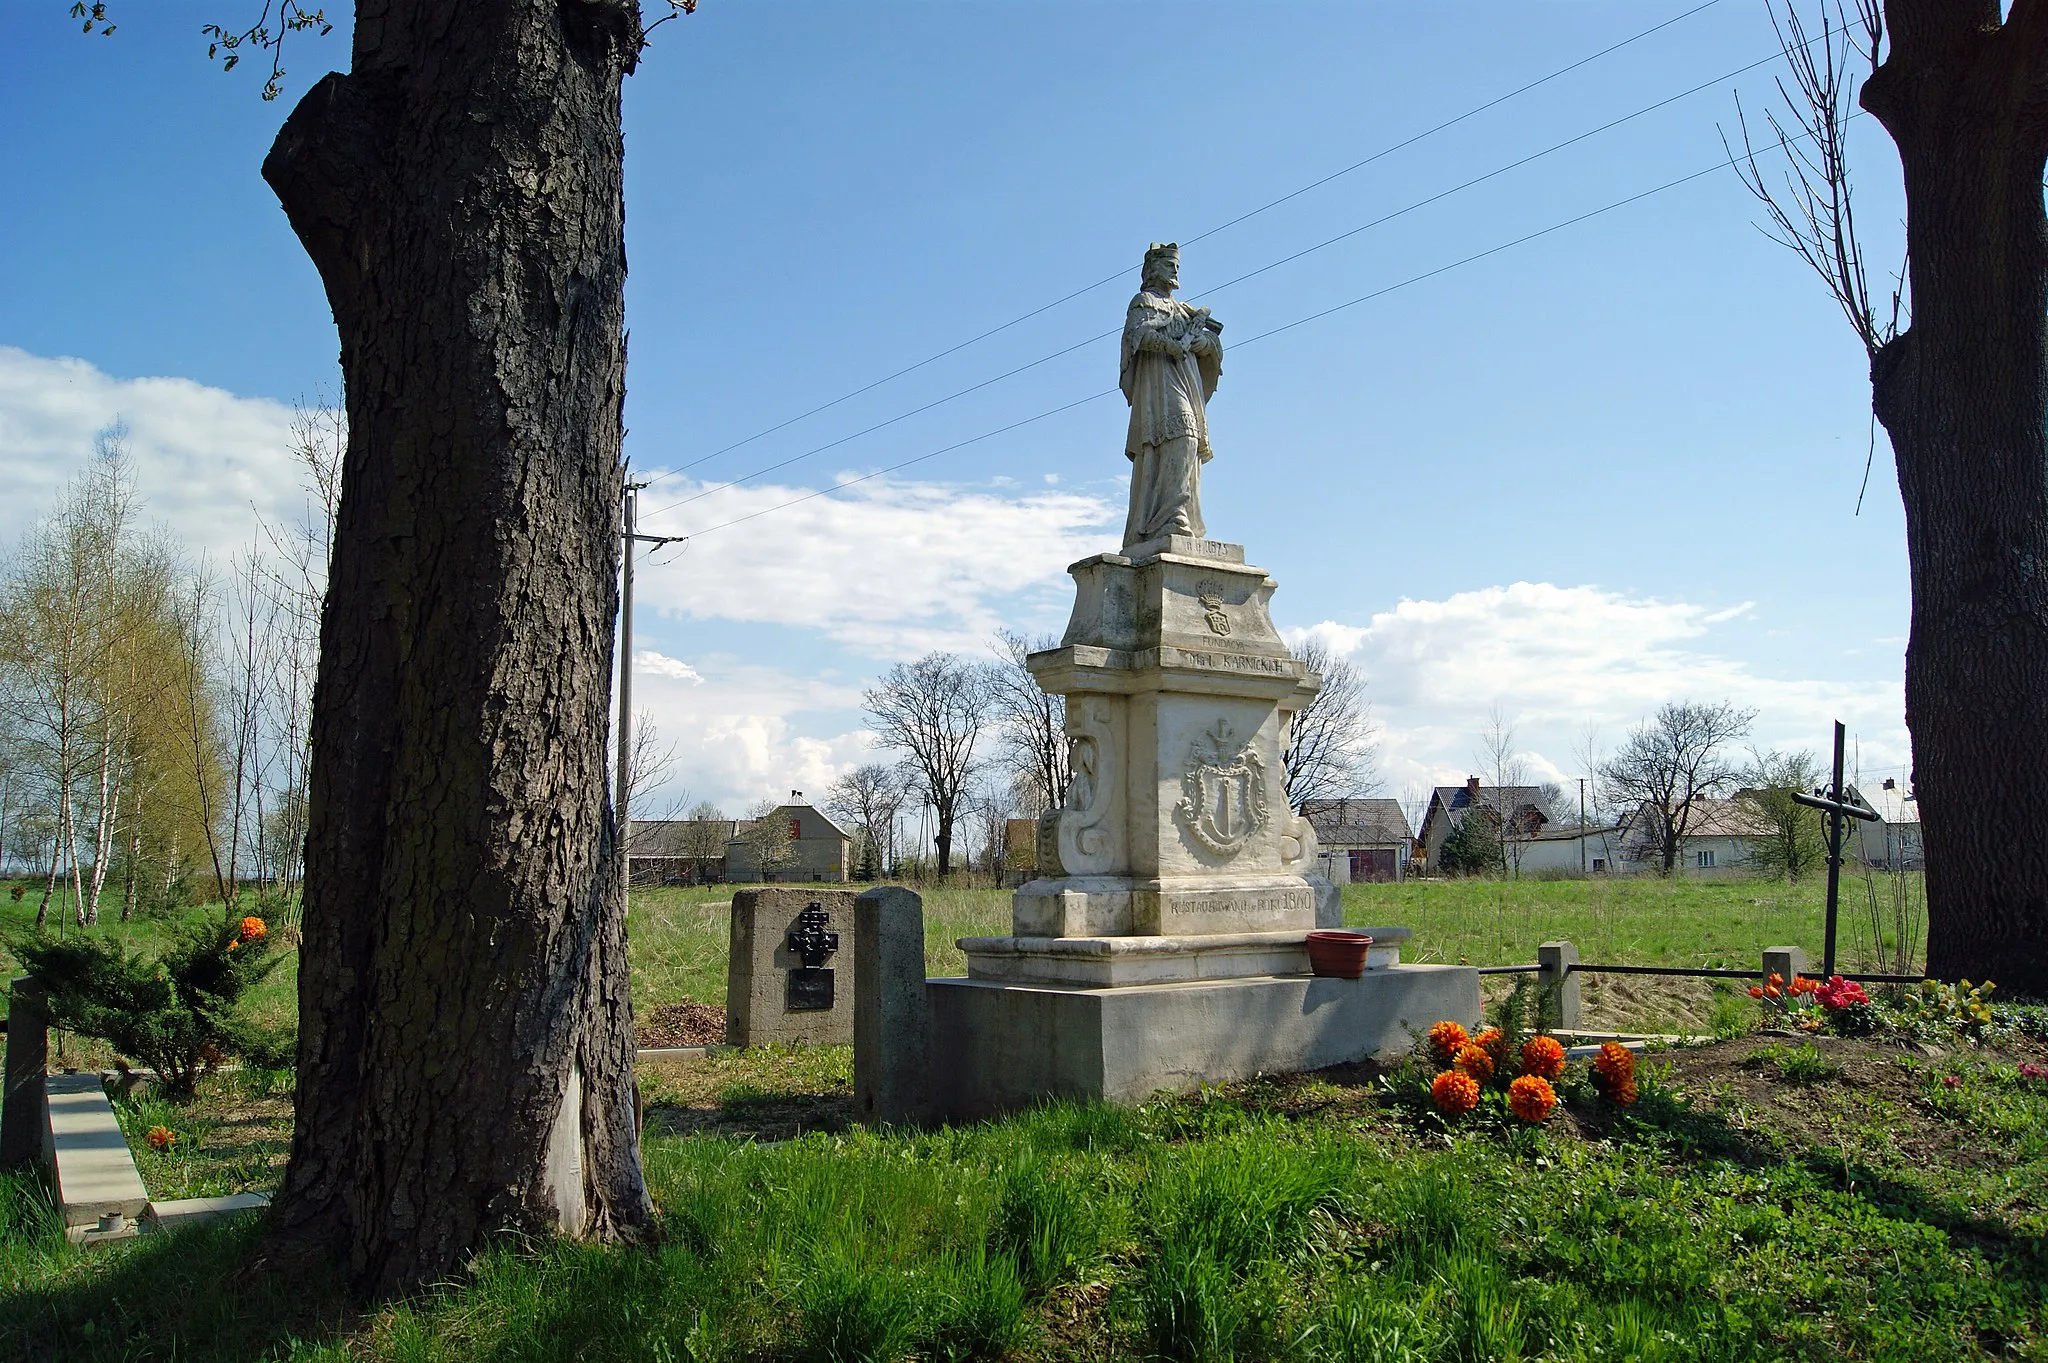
[(1670, 762), (1810, 200), (1331, 749), (648, 767), (1032, 723), (934, 712), (869, 797), (704, 837)]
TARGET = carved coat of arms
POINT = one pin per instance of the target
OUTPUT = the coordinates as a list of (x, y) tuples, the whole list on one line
[(1223, 795)]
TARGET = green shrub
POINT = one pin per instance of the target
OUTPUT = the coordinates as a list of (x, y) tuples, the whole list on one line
[(179, 1014)]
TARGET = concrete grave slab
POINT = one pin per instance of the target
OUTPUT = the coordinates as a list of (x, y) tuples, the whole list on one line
[(95, 1171)]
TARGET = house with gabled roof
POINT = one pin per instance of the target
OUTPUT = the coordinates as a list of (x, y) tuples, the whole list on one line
[(804, 842), (1524, 810), (1360, 839)]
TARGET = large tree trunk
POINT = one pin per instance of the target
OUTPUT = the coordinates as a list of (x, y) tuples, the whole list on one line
[(1963, 395), (466, 1040)]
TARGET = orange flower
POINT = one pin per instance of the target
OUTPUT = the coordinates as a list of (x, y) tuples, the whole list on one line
[(1474, 1060), (1446, 1039), (1774, 978), (1531, 1098), (1542, 1057), (1770, 991), (1454, 1093), (160, 1138), (254, 929), (1756, 991), (1614, 1072), (1802, 985)]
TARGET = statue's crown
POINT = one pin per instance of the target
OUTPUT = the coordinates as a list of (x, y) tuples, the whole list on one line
[(1163, 250)]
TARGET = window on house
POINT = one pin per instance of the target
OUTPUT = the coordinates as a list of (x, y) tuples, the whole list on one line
[(1704, 859), (1599, 863), (796, 828)]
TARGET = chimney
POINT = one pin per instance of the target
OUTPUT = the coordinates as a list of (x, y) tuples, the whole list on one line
[(796, 795), (1472, 787)]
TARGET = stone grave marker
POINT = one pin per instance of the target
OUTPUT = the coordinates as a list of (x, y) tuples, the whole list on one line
[(790, 971)]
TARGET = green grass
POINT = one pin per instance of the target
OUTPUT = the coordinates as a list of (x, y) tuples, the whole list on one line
[(1301, 1221), (1631, 921)]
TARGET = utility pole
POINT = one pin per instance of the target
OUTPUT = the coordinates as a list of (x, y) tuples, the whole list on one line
[(629, 531), (1582, 826)]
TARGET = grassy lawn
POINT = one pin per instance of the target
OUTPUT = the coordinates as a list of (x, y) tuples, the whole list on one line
[(679, 938), (1767, 1197)]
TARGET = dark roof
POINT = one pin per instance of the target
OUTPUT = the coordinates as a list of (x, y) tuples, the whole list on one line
[(1450, 804), (1456, 798), (671, 837), (1352, 821)]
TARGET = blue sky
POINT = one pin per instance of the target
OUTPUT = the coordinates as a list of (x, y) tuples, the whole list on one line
[(1607, 467)]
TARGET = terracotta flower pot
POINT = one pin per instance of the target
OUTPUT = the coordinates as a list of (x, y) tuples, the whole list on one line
[(1338, 954)]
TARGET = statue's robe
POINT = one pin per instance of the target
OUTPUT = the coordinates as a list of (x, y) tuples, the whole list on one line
[(1169, 434)]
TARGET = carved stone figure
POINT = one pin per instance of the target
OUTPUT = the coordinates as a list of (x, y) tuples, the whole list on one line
[(1172, 359)]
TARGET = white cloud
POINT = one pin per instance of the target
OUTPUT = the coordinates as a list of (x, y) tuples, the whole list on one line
[(1560, 659), (203, 456), (893, 569), (655, 664), (743, 732)]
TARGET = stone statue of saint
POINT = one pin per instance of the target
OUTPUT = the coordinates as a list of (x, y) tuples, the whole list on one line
[(1172, 358)]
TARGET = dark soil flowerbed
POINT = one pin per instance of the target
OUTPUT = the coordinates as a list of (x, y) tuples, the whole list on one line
[(681, 1024)]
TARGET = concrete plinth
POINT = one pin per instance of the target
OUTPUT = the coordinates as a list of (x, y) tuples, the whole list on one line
[(1000, 1047)]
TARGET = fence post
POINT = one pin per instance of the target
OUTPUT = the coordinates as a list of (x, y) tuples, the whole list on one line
[(21, 1090), (1558, 984), (1785, 961)]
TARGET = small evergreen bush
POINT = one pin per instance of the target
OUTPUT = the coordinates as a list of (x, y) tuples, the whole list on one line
[(179, 1014)]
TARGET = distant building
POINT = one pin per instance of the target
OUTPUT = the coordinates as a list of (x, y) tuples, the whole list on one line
[(679, 851), (1524, 809), (1569, 848), (1719, 842), (802, 843), (1360, 840), (1892, 843)]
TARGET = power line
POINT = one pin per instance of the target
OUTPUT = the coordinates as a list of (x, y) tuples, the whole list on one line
[(1251, 340), (1202, 236), (1211, 292)]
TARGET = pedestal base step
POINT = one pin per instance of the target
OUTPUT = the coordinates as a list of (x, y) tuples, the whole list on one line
[(1103, 962), (999, 1047)]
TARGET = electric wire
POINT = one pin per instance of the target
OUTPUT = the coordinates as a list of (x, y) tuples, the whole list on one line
[(1216, 289), (1202, 236), (1250, 340)]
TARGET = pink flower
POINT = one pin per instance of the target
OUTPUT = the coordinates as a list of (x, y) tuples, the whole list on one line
[(1951, 1081)]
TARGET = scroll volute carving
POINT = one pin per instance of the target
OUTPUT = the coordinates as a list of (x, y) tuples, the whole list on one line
[(1090, 829)]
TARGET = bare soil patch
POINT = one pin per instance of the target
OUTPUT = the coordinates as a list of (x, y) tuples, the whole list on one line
[(681, 1024)]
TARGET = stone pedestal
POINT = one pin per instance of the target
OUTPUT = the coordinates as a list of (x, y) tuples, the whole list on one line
[(1164, 945), (1176, 823)]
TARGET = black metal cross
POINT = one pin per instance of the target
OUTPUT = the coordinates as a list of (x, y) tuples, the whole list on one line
[(810, 938), (1832, 803)]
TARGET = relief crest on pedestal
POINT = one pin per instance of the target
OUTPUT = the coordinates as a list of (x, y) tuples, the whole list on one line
[(1223, 794)]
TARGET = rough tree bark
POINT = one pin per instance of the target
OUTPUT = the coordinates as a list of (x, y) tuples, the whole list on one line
[(466, 1043), (1963, 394)]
